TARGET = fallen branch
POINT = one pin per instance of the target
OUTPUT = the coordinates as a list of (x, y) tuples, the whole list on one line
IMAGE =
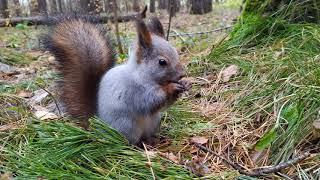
[(257, 171), (40, 20), (203, 32)]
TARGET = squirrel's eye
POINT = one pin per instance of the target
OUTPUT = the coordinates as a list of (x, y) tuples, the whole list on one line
[(162, 62)]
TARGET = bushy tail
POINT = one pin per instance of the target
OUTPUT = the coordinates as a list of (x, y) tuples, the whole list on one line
[(84, 54)]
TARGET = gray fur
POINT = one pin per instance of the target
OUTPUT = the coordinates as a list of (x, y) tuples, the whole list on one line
[(131, 96)]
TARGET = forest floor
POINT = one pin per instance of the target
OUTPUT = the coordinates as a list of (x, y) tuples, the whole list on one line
[(206, 115)]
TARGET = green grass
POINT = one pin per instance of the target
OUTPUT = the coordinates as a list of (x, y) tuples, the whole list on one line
[(14, 57), (59, 150), (279, 80)]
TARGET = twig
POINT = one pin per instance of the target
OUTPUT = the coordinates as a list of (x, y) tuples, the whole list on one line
[(170, 17), (258, 171), (149, 162), (115, 13), (52, 96)]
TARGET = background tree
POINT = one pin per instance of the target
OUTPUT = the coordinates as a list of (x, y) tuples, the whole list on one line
[(42, 6), (200, 6), (115, 13), (152, 6), (175, 5), (136, 5), (163, 4), (17, 7), (108, 6), (4, 8)]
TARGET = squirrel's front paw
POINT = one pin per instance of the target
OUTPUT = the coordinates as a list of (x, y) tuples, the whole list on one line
[(174, 89), (186, 84)]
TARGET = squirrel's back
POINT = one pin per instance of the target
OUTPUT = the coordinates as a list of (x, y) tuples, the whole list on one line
[(84, 54)]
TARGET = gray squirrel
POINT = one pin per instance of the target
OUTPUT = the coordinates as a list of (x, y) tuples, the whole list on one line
[(129, 97)]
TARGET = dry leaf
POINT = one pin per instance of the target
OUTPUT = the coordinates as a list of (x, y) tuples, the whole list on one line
[(194, 149), (6, 176), (25, 94), (228, 72), (197, 166), (170, 156), (199, 140), (151, 154), (43, 115), (316, 124)]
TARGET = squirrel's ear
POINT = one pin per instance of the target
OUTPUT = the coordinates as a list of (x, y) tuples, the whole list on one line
[(144, 36), (155, 26)]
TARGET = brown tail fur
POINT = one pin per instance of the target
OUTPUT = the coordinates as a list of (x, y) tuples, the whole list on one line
[(84, 54)]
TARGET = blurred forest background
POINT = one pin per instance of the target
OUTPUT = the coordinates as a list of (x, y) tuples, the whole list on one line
[(253, 111)]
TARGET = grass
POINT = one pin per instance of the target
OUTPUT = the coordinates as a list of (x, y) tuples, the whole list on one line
[(279, 80), (65, 151), (267, 109)]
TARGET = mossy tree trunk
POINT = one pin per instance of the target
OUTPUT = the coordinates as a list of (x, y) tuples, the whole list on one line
[(293, 10)]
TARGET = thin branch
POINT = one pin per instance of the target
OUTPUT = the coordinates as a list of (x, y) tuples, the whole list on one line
[(258, 171), (38, 20), (170, 17), (52, 96), (202, 32), (115, 11)]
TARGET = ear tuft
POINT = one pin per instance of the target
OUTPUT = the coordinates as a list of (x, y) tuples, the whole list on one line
[(144, 11), (144, 36), (155, 26)]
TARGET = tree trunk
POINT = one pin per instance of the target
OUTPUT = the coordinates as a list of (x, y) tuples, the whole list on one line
[(175, 6), (53, 7), (42, 6), (296, 10), (152, 6), (163, 4), (95, 6), (84, 6), (60, 6), (17, 7), (200, 6), (136, 5), (108, 6), (4, 8)]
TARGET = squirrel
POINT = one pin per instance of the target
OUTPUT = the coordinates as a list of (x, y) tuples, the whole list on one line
[(129, 97)]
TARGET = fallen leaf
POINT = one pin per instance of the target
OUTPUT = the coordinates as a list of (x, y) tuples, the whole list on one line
[(6, 176), (194, 149), (151, 154), (316, 124), (25, 94), (199, 140), (197, 166), (228, 72), (44, 115), (170, 156)]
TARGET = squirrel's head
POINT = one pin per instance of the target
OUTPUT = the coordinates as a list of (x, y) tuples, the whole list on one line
[(154, 55)]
